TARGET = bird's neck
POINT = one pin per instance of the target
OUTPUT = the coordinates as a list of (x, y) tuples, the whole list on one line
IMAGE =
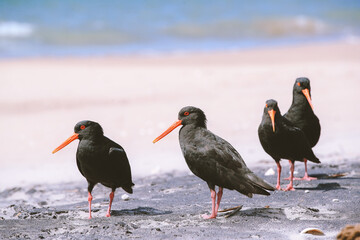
[(189, 130), (93, 138), (266, 121), (300, 103), (195, 124)]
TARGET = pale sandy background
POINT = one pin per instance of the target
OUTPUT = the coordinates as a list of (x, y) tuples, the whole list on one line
[(136, 98)]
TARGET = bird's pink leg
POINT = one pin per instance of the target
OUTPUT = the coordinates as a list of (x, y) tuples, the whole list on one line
[(290, 186), (219, 195), (109, 209), (278, 176), (213, 215), (289, 178), (306, 176), (89, 200)]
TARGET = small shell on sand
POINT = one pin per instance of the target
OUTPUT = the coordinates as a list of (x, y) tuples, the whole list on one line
[(270, 172), (313, 231), (125, 197)]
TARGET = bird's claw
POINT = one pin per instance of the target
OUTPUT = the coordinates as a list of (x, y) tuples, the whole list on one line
[(308, 178), (289, 188), (204, 216)]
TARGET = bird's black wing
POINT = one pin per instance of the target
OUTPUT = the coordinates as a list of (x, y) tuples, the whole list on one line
[(231, 151), (300, 144), (120, 167), (287, 122), (79, 166), (231, 171)]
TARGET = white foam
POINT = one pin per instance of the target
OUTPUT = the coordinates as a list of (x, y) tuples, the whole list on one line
[(15, 29)]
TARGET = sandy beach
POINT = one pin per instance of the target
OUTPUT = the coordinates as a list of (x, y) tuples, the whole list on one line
[(170, 206), (135, 98)]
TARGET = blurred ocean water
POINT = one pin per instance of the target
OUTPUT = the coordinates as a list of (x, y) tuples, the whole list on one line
[(112, 27)]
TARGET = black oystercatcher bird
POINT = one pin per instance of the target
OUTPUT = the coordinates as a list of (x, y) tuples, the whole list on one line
[(301, 114), (100, 160), (282, 140), (213, 159)]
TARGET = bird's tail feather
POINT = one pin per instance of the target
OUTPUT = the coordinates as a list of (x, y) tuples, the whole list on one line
[(314, 159), (250, 187), (310, 155), (128, 188), (258, 182)]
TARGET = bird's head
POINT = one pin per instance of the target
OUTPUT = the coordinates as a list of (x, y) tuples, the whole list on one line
[(272, 110), (302, 86), (187, 116), (82, 130), (88, 129)]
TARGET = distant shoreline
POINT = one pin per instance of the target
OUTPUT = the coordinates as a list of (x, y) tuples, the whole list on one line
[(96, 52)]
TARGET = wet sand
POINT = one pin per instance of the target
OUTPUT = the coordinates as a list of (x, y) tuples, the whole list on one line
[(135, 98)]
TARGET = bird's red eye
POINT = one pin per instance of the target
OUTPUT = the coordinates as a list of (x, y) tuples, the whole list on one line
[(82, 127), (298, 84), (186, 113)]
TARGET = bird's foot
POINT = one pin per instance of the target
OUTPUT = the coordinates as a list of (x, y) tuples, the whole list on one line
[(295, 178), (305, 178), (108, 214), (204, 216), (90, 217), (278, 187), (308, 178), (289, 188)]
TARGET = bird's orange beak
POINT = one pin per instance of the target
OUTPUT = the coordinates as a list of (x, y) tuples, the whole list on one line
[(172, 127), (67, 141), (307, 95), (272, 117)]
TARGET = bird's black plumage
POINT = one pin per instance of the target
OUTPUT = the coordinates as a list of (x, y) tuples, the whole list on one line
[(213, 159), (301, 113), (100, 160), (281, 139)]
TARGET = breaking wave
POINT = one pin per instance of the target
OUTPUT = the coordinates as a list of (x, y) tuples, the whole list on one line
[(15, 29)]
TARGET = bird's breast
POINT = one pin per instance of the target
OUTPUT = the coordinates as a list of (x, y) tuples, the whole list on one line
[(92, 159)]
